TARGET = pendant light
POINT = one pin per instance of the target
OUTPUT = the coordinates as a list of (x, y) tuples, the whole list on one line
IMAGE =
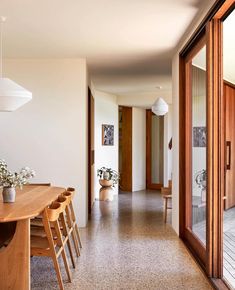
[(160, 107), (12, 95)]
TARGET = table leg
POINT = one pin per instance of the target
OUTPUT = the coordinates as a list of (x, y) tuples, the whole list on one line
[(15, 259)]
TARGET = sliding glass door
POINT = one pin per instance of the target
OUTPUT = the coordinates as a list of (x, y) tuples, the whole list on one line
[(195, 144), (207, 101)]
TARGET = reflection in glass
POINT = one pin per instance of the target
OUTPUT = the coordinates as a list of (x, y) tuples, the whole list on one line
[(199, 135), (157, 149), (229, 99)]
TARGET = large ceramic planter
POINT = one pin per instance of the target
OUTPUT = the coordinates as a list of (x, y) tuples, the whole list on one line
[(106, 191), (9, 194), (106, 194), (106, 183)]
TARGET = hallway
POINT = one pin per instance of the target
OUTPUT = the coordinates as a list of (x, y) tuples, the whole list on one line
[(127, 246)]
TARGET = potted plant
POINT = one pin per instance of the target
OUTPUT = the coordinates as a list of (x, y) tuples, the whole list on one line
[(9, 181), (201, 182), (108, 176)]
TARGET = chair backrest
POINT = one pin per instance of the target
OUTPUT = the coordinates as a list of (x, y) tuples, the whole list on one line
[(64, 201), (68, 195), (72, 190), (53, 211)]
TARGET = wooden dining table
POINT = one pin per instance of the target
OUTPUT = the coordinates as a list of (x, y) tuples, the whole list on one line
[(15, 229)]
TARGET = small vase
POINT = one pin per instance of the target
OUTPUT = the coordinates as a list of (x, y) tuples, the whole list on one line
[(9, 194)]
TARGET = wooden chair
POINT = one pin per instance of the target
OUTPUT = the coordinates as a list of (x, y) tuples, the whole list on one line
[(48, 245), (71, 224), (37, 226), (167, 195), (65, 201), (73, 217)]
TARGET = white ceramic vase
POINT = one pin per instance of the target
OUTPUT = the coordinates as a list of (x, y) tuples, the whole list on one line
[(9, 194)]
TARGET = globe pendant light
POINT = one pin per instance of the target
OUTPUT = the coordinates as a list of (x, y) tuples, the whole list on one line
[(12, 95), (160, 107)]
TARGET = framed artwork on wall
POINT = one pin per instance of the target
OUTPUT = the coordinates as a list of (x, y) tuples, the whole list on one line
[(107, 135), (199, 136)]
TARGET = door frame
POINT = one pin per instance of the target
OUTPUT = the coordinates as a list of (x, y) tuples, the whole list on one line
[(91, 152), (212, 25), (195, 245)]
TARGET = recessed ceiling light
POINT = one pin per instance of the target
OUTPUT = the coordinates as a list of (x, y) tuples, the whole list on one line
[(159, 87)]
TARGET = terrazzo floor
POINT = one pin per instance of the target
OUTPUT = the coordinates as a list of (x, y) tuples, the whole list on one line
[(126, 245)]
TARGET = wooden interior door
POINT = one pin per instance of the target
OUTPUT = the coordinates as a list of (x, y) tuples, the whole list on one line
[(125, 148), (154, 150), (229, 97)]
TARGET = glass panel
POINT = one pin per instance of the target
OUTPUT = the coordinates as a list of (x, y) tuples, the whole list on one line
[(199, 134), (157, 149), (229, 99)]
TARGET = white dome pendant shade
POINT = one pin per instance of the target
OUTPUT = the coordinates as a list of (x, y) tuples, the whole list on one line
[(160, 107), (12, 95)]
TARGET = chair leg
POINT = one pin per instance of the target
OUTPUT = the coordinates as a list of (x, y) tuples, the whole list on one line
[(76, 226), (72, 229), (53, 254), (66, 265), (65, 231), (78, 235), (71, 253), (165, 213), (58, 273), (61, 244), (75, 243)]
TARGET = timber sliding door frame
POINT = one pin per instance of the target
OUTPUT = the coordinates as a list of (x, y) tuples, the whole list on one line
[(186, 231), (211, 28)]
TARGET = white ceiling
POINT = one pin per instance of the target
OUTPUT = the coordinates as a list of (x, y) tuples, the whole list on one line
[(128, 43)]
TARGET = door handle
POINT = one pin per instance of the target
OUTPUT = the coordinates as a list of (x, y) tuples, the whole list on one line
[(228, 155)]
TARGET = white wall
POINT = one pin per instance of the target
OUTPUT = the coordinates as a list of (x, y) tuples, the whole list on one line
[(175, 102), (106, 112), (49, 134), (138, 149)]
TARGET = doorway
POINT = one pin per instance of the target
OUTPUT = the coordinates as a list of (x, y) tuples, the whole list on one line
[(154, 150)]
